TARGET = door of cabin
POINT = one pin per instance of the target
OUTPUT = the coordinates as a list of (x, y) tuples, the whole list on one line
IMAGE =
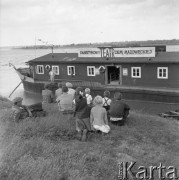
[(113, 76)]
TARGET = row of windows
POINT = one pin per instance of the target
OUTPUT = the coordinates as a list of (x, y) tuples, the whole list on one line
[(162, 72), (40, 69), (70, 70)]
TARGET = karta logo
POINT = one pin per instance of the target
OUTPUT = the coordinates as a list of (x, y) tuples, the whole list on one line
[(126, 172)]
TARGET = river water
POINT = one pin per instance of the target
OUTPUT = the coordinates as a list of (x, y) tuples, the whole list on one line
[(9, 80)]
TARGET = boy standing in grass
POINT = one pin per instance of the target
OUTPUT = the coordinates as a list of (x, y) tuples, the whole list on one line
[(98, 116), (119, 110), (106, 100), (82, 113)]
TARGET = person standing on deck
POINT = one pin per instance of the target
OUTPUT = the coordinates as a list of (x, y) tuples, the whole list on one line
[(52, 75)]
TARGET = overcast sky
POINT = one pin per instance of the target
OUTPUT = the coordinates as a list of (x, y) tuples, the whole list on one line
[(87, 21)]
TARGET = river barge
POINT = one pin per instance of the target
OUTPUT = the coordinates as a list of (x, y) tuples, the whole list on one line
[(140, 73)]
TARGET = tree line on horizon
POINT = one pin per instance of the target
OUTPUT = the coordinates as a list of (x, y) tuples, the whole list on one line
[(114, 44)]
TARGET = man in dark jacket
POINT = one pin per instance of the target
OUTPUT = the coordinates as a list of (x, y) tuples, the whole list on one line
[(119, 110)]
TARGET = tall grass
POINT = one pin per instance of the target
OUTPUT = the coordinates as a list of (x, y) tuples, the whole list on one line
[(46, 148), (4, 102)]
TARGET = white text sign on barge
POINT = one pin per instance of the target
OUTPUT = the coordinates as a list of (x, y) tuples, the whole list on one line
[(117, 52)]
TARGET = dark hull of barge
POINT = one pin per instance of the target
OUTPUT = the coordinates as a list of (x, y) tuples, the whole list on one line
[(129, 93)]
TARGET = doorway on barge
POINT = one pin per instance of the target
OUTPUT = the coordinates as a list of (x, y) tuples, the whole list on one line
[(113, 75)]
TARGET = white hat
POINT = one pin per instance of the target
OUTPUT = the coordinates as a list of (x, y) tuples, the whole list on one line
[(69, 85)]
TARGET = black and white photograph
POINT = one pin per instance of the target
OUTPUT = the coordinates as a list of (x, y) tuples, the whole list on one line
[(89, 89)]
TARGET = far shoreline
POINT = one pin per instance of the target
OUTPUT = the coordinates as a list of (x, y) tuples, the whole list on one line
[(99, 44)]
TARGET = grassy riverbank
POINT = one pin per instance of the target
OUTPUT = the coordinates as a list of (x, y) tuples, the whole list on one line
[(46, 148)]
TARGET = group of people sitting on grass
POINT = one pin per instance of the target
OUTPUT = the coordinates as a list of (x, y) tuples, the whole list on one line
[(91, 114)]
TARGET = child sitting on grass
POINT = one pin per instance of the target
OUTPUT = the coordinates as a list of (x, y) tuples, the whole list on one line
[(65, 102), (88, 97), (70, 89), (98, 116), (58, 92), (82, 113), (21, 111), (119, 110)]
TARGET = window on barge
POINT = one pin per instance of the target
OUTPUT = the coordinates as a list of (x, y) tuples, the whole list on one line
[(136, 72), (162, 72), (40, 69), (71, 70), (91, 70)]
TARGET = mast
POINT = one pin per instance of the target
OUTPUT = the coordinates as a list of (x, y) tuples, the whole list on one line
[(49, 45)]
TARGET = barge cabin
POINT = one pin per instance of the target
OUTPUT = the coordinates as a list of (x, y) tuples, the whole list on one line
[(147, 73)]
